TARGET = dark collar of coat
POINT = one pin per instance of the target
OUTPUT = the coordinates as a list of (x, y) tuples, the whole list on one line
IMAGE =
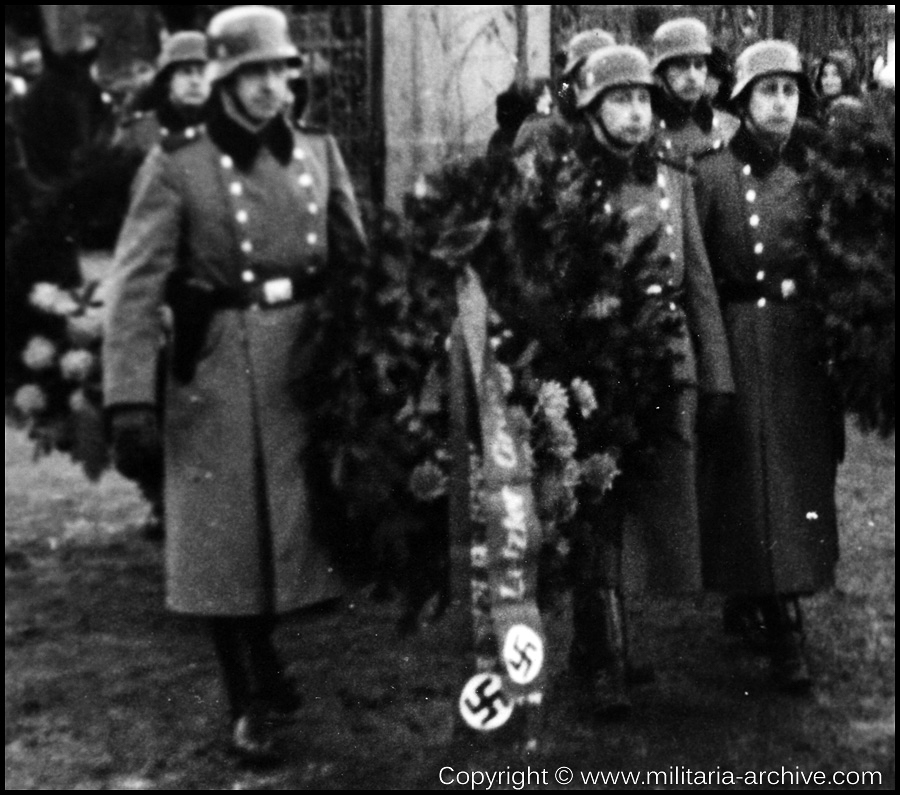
[(677, 114), (243, 145), (174, 119), (615, 169), (763, 160)]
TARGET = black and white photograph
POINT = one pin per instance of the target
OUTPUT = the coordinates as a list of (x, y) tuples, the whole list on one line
[(427, 397)]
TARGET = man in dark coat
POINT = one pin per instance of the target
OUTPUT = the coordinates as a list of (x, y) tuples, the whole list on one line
[(770, 531), (688, 126), (647, 529), (233, 228)]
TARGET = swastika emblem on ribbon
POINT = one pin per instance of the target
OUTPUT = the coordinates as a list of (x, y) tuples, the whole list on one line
[(483, 704), (523, 654)]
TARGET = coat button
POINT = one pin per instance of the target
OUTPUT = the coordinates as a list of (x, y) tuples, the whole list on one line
[(236, 189), (312, 238), (305, 181), (747, 171), (758, 249), (313, 208), (754, 221), (241, 217), (226, 162), (299, 154), (751, 196), (670, 230), (247, 246), (760, 276), (761, 303), (661, 180), (664, 204), (248, 276)]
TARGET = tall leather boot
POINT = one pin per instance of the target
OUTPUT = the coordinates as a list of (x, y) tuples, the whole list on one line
[(790, 666), (274, 690), (597, 657)]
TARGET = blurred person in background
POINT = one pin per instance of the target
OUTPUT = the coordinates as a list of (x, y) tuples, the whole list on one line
[(518, 103), (176, 96), (544, 132), (688, 126)]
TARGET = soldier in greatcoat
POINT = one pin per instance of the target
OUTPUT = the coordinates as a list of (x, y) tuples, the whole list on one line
[(687, 125), (770, 535), (647, 526), (233, 228), (175, 98)]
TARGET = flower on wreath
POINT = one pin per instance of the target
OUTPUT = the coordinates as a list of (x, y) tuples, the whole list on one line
[(39, 354), (52, 299), (77, 365), (428, 482), (603, 307), (79, 401), (30, 400), (599, 471), (585, 398), (553, 400)]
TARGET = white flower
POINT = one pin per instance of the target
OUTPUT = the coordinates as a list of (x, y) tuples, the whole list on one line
[(30, 400), (603, 307), (506, 379), (51, 299), (78, 401), (600, 471), (77, 365), (553, 400), (585, 398), (39, 354)]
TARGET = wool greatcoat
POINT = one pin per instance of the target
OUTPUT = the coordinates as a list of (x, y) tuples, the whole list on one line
[(231, 212), (685, 134), (770, 524), (661, 541)]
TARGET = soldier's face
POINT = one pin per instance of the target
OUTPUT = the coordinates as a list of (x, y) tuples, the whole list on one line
[(626, 114), (686, 77), (773, 105), (262, 89), (188, 85)]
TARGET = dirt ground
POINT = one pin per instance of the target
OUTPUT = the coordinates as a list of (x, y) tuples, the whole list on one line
[(105, 690)]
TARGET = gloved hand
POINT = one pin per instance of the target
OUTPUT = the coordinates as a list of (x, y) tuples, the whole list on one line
[(136, 441), (715, 422)]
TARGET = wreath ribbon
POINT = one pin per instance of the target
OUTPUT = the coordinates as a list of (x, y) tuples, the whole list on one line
[(508, 635)]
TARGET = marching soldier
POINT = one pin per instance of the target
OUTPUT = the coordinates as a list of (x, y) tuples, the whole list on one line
[(655, 520), (233, 227), (688, 127), (771, 534)]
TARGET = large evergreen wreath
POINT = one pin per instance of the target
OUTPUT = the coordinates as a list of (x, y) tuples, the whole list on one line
[(852, 189)]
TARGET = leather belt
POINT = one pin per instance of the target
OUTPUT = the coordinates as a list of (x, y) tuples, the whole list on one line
[(269, 293)]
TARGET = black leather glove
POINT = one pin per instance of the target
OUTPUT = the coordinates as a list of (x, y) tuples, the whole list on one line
[(715, 422), (136, 441)]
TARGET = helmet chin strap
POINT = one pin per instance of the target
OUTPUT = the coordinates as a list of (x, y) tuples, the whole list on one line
[(616, 145)]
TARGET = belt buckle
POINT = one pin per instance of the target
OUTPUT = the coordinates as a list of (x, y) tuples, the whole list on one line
[(277, 291)]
